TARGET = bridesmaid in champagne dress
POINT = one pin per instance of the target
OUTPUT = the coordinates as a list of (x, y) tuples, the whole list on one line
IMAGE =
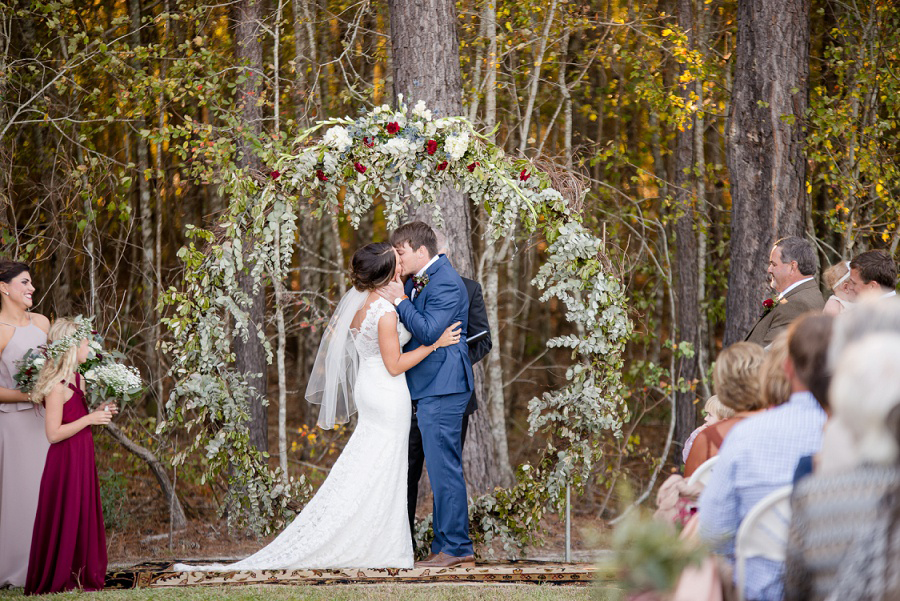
[(23, 444), (68, 546)]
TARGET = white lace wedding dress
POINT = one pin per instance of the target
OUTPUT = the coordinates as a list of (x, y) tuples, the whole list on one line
[(358, 518)]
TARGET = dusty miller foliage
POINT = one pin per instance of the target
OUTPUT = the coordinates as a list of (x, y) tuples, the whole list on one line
[(404, 157)]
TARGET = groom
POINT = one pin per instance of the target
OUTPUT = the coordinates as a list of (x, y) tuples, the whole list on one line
[(440, 386)]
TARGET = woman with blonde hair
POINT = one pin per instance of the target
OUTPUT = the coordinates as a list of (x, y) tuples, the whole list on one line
[(738, 386), (23, 446), (68, 544)]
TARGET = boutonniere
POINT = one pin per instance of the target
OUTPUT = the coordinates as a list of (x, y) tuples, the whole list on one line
[(769, 304), (419, 282)]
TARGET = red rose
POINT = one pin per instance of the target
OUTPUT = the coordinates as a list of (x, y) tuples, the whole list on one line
[(471, 167), (393, 127), (768, 303), (359, 167), (321, 175), (370, 142), (442, 166), (431, 147), (524, 176), (275, 174)]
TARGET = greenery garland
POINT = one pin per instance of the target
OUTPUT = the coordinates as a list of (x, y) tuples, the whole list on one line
[(405, 158)]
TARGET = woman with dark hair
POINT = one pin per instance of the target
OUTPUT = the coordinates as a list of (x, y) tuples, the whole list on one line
[(358, 519), (23, 444)]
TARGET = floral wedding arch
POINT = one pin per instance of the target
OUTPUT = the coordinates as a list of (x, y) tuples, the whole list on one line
[(404, 157)]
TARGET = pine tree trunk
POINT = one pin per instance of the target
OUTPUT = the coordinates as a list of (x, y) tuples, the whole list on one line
[(765, 147), (425, 63), (687, 326), (250, 356)]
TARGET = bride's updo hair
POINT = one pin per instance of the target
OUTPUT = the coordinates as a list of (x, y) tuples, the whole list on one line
[(372, 266)]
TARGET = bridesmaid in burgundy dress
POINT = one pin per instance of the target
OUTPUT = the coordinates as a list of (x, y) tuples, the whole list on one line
[(68, 546)]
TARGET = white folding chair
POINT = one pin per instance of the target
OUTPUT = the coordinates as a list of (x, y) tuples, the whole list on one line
[(703, 472), (762, 533)]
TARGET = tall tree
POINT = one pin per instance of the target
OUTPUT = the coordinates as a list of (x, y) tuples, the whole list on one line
[(765, 147), (687, 314), (250, 356), (425, 62)]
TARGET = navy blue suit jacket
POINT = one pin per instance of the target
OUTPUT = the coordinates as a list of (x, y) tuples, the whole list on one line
[(441, 302)]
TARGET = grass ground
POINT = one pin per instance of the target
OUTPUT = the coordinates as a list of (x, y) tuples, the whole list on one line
[(375, 592)]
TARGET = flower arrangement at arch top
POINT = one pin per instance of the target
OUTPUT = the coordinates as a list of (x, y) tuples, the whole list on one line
[(387, 140)]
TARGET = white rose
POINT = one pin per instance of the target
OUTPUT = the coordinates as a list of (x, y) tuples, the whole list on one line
[(338, 138), (396, 146), (420, 111), (457, 145), (90, 375), (39, 362)]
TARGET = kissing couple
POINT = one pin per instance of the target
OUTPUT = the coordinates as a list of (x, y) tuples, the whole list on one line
[(387, 346)]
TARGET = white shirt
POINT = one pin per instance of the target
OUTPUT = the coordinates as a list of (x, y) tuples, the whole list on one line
[(792, 286), (889, 294), (412, 293)]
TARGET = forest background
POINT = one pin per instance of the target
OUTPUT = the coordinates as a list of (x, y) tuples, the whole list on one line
[(695, 136)]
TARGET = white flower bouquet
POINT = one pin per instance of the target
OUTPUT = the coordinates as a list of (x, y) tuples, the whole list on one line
[(112, 381)]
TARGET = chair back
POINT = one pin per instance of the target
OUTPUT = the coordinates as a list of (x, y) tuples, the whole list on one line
[(703, 472), (762, 533)]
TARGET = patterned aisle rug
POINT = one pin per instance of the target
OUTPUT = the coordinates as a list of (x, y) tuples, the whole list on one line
[(158, 575)]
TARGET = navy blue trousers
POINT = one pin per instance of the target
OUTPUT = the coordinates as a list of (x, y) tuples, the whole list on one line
[(440, 421)]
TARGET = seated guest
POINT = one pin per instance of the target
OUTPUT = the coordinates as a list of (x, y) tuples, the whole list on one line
[(792, 267), (715, 412), (817, 337), (831, 510), (736, 378), (873, 274), (867, 318), (837, 279), (758, 457)]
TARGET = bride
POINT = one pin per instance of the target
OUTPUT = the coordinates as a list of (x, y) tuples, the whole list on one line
[(358, 517)]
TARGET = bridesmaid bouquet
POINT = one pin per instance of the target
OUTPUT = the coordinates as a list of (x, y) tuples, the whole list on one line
[(110, 379)]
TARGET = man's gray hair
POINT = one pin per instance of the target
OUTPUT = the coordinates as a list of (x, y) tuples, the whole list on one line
[(865, 392), (868, 317), (797, 249)]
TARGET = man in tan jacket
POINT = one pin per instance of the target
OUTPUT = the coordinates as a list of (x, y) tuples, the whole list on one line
[(792, 269)]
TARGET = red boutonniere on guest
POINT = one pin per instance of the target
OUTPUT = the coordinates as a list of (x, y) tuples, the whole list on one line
[(768, 305), (419, 282)]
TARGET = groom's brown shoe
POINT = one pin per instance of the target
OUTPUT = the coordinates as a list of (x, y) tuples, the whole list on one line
[(442, 560)]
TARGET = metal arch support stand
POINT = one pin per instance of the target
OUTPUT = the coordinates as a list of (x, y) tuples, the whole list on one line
[(568, 523)]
